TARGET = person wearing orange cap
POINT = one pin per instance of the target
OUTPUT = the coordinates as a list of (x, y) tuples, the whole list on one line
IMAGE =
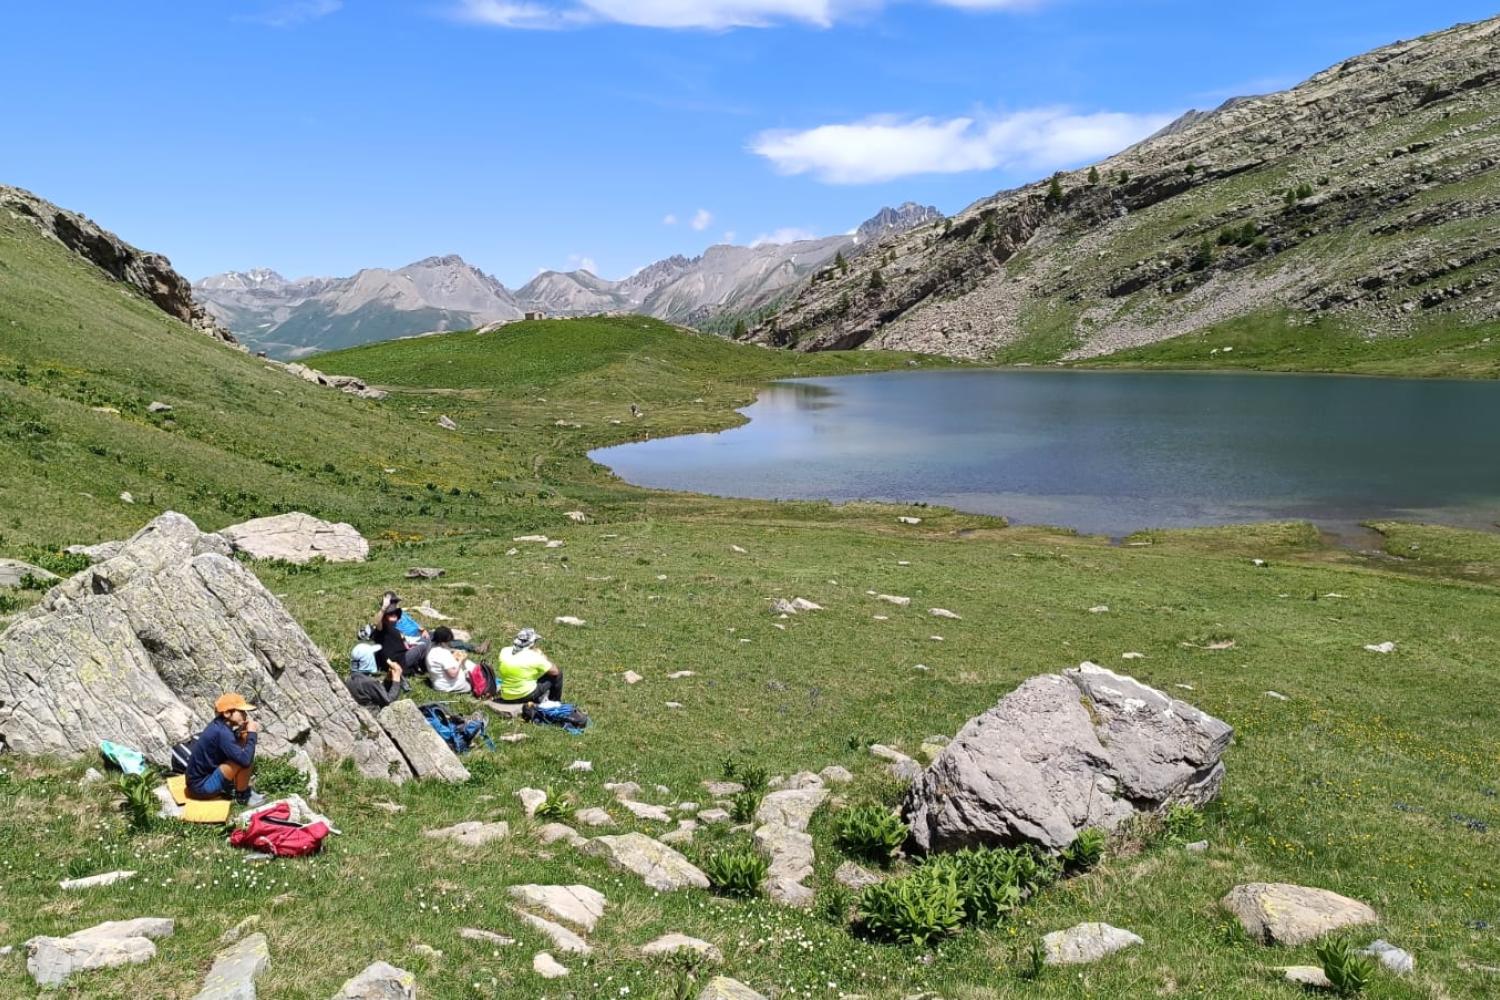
[(223, 757)]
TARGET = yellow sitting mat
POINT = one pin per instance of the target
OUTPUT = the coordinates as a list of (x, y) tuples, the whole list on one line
[(197, 810)]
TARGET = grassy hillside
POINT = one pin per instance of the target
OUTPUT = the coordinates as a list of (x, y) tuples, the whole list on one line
[(1377, 777)]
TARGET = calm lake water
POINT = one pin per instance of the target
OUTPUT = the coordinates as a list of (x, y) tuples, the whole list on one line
[(1107, 452)]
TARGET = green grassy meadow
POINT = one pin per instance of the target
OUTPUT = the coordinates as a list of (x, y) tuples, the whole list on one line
[(1378, 776)]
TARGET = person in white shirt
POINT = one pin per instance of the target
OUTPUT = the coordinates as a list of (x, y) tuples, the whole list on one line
[(446, 668)]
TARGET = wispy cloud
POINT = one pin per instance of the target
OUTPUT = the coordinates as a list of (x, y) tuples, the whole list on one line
[(669, 219), (702, 219), (710, 15), (787, 234), (290, 12), (888, 147), (582, 262)]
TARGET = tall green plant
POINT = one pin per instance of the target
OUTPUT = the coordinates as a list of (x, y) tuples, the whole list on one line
[(141, 804), (1349, 972), (871, 832)]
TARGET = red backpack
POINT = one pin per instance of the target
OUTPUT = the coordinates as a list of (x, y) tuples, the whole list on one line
[(482, 681), (273, 832)]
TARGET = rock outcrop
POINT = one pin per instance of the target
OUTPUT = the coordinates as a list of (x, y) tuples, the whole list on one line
[(1277, 913), (781, 835), (51, 961), (343, 383), (235, 970), (297, 538), (13, 573), (1063, 752), (658, 865), (424, 750), (136, 648), (150, 274), (379, 981)]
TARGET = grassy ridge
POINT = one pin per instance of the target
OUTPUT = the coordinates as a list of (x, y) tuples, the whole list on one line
[(1378, 777)]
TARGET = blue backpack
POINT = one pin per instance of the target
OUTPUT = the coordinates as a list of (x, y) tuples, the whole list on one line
[(564, 714), (459, 734)]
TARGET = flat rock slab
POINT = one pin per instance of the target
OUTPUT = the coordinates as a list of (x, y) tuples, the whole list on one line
[(1277, 913), (96, 881), (658, 865), (553, 832), (419, 743), (235, 970), (51, 961), (379, 981), (593, 816), (547, 967), (1063, 752), (562, 938), (855, 876), (671, 944), (579, 905), (425, 573), (1398, 960), (1086, 943), (486, 937), (724, 988), (297, 538), (531, 799), (1307, 976), (644, 810), (13, 572), (836, 775), (471, 833)]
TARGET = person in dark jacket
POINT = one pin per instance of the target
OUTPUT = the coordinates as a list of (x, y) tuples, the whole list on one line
[(378, 691), (223, 758)]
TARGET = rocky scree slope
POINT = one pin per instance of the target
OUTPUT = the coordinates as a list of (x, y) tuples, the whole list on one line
[(1368, 195), (150, 274)]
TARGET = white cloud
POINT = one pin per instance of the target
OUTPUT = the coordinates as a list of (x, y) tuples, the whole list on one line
[(701, 220), (283, 15), (711, 15), (729, 235), (582, 262), (786, 234), (669, 220), (886, 147)]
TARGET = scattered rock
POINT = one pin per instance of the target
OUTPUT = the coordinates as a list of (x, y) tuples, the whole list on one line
[(576, 516), (52, 960), (631, 677), (1395, 959), (570, 620), (426, 610), (446, 423), (153, 616), (593, 816), (1382, 647), (671, 944), (553, 832), (96, 881), (579, 905), (581, 765), (834, 774), (678, 675), (13, 573), (562, 938), (472, 833), (737, 549), (239, 930), (658, 865), (487, 937), (1088, 747), (425, 573), (424, 750), (531, 538), (781, 835), (1132, 656), (379, 981), (1307, 976), (643, 810), (547, 967), (1196, 847), (909, 520), (509, 712), (531, 799), (721, 789), (900, 602), (1277, 913), (714, 816), (1277, 695), (125, 497), (1086, 943), (724, 988), (297, 538), (944, 613), (855, 876), (683, 834), (511, 737), (673, 704), (1099, 609), (235, 970), (91, 777), (556, 543)]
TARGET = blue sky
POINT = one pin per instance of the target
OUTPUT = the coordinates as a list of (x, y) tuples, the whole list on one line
[(320, 136)]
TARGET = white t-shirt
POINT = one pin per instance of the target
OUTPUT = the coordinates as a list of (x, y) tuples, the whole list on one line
[(445, 671)]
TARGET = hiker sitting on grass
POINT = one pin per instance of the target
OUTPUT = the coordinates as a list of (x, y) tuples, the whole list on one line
[(447, 670), (374, 690), (526, 675), (398, 632), (224, 756), (364, 658)]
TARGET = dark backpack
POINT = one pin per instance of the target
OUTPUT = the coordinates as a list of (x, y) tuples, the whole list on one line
[(181, 754), (569, 716), (457, 732)]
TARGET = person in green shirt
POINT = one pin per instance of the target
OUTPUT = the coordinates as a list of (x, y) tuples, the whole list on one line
[(526, 675)]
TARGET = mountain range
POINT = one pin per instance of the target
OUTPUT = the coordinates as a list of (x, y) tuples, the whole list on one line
[(292, 318), (1365, 200)]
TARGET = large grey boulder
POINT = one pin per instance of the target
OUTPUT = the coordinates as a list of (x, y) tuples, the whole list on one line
[(425, 752), (1278, 913), (13, 573), (51, 961), (379, 981), (297, 538), (658, 865), (136, 648), (235, 970), (1063, 752)]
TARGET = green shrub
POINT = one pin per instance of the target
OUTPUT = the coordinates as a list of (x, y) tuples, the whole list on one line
[(1182, 825), (753, 776), (1086, 851), (871, 832), (988, 880), (834, 904), (554, 808), (141, 804), (736, 872), (276, 778), (1031, 961), (9, 602), (744, 805), (1349, 972), (919, 909)]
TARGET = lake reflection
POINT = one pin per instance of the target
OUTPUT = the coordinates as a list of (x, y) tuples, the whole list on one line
[(1107, 452)]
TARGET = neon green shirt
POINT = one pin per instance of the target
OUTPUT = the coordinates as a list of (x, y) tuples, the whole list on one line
[(519, 671)]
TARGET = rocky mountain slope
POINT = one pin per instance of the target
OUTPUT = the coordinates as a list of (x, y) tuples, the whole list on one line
[(1366, 198), (149, 273), (289, 319)]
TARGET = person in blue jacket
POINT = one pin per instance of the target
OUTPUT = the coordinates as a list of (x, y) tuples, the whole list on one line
[(223, 758)]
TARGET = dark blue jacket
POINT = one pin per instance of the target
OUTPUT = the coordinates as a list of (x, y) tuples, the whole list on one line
[(218, 745)]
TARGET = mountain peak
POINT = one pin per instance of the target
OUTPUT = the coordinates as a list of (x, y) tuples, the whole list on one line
[(889, 220), (446, 260)]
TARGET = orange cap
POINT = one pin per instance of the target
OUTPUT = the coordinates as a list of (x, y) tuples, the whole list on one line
[(230, 702)]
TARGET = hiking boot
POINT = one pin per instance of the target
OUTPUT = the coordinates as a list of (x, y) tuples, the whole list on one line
[(483, 647)]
